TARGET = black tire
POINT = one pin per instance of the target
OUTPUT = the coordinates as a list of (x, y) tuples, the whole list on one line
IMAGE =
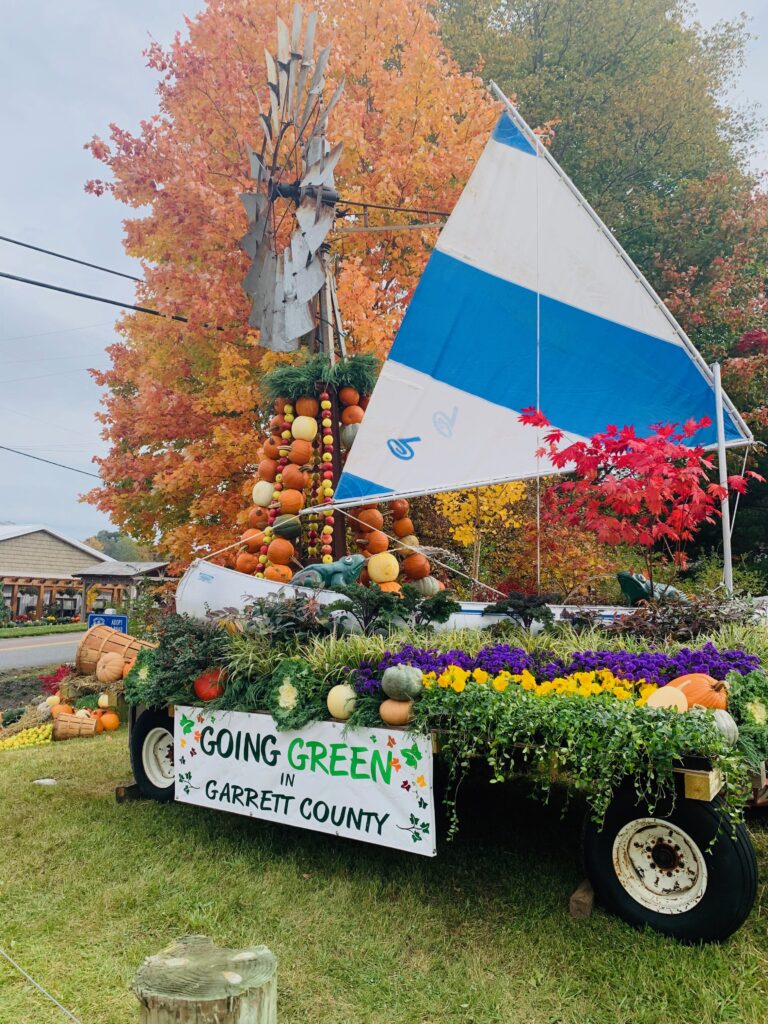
[(146, 739), (702, 905)]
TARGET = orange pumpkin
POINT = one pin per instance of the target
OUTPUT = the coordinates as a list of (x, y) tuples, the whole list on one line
[(98, 715), (307, 407), (128, 666), (293, 478), (370, 519), (349, 396), (276, 424), (253, 540), (272, 447), (280, 404), (702, 690), (300, 453), (291, 501), (278, 573), (352, 414), (416, 567), (390, 587), (280, 551), (62, 709), (247, 563), (402, 527), (396, 712), (377, 542), (258, 517), (268, 470), (399, 508)]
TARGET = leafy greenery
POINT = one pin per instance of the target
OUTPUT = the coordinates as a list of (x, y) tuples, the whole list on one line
[(166, 675), (524, 609), (748, 703), (418, 612), (660, 621), (295, 695), (293, 380), (88, 700), (374, 610)]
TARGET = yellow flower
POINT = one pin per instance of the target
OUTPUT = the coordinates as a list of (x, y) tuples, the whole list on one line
[(428, 679), (458, 684), (481, 676), (501, 681)]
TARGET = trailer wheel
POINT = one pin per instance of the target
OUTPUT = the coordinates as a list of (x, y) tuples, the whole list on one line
[(657, 868), (152, 754)]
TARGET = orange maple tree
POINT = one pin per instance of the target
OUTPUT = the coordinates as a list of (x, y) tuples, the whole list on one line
[(182, 409)]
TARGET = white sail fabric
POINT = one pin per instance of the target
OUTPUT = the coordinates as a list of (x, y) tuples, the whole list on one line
[(526, 301)]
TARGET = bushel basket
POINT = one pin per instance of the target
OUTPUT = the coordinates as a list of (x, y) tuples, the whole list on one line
[(102, 640)]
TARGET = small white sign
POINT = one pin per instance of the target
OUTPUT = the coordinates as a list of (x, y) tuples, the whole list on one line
[(369, 784)]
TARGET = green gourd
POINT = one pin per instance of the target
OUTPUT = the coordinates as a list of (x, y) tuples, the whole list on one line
[(287, 526), (402, 682), (726, 726)]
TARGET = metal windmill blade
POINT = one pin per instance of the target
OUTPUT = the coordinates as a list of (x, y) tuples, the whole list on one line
[(292, 205)]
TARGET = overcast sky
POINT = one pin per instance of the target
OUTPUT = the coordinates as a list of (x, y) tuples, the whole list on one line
[(69, 70)]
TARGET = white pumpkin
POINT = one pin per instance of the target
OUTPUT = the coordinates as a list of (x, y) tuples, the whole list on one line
[(726, 726), (349, 433), (51, 701), (383, 567), (341, 701), (427, 586), (103, 701), (411, 541), (82, 713), (667, 697), (304, 428), (262, 493)]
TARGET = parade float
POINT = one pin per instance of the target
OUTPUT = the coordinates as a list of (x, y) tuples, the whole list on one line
[(318, 672)]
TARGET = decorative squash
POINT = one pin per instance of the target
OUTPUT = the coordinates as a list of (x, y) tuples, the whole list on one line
[(703, 690), (210, 684), (383, 568), (280, 551), (263, 492), (410, 541), (109, 667), (369, 519), (402, 527), (291, 501), (278, 573), (403, 682), (341, 701), (399, 508), (301, 452), (349, 396), (390, 587), (294, 478), (352, 414), (249, 564), (272, 447), (377, 542), (287, 526), (62, 709), (258, 517), (726, 726), (396, 712), (53, 699), (416, 567), (667, 697), (427, 586), (253, 540), (103, 701), (109, 721), (279, 405), (128, 666), (304, 428), (307, 407), (348, 434), (268, 470)]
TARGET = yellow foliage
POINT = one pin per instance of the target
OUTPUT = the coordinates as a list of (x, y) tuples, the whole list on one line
[(472, 514)]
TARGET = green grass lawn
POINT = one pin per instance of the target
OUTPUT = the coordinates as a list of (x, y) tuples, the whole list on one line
[(10, 631), (479, 935)]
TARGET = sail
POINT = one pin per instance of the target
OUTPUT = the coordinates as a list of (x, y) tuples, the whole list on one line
[(527, 301)]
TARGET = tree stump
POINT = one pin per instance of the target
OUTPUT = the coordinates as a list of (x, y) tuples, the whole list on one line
[(193, 981)]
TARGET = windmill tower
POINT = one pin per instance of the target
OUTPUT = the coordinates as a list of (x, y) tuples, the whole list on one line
[(292, 205)]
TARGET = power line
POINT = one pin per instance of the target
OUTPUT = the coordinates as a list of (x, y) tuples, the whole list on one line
[(42, 376), (63, 330), (60, 465), (70, 259)]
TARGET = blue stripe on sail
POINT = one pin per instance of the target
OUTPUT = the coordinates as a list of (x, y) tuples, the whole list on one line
[(351, 486), (477, 333), (507, 132)]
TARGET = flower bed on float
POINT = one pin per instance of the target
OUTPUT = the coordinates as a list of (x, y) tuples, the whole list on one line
[(582, 717)]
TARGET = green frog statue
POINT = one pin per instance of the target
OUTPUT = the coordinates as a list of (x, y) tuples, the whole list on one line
[(343, 573)]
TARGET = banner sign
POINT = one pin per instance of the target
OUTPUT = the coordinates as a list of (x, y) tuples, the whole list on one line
[(118, 622), (369, 784)]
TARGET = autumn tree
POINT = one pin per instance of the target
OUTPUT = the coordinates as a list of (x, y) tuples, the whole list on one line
[(183, 403)]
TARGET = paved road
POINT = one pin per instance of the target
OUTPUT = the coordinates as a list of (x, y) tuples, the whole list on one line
[(29, 652)]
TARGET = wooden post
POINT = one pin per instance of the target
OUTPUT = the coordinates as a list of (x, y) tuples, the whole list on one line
[(193, 981)]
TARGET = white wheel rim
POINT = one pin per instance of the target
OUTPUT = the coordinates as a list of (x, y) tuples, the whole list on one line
[(659, 866), (157, 758)]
